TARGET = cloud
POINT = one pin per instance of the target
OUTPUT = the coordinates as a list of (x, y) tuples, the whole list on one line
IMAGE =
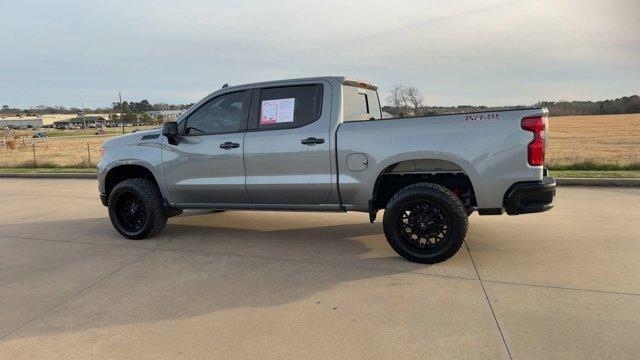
[(456, 52)]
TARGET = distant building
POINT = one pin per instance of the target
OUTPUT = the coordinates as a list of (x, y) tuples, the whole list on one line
[(40, 120), (80, 121), (16, 121), (49, 119)]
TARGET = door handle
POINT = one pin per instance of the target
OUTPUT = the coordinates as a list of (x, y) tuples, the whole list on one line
[(229, 145), (312, 141)]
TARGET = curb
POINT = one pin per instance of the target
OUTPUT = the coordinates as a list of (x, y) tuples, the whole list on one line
[(50, 176), (614, 182)]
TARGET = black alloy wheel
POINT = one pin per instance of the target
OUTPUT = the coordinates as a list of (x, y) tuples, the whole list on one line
[(130, 211), (425, 223)]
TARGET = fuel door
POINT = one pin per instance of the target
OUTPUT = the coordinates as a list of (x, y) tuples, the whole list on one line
[(357, 162)]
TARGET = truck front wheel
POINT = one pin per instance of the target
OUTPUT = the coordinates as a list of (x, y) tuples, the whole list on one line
[(135, 208), (425, 223)]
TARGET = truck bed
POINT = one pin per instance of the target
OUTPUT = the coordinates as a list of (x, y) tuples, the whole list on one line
[(488, 147)]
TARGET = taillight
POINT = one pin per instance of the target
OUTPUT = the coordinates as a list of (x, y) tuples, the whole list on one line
[(535, 150)]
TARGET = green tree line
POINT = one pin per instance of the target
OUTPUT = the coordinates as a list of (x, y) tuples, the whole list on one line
[(405, 101), (623, 105), (127, 107)]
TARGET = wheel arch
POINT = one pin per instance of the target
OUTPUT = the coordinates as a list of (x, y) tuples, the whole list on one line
[(457, 176), (125, 171)]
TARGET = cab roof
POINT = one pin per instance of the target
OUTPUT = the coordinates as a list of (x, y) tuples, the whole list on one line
[(341, 79)]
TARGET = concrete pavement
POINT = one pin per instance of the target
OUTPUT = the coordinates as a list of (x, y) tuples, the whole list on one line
[(563, 284)]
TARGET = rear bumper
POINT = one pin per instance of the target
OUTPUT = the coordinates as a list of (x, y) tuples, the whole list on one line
[(530, 196)]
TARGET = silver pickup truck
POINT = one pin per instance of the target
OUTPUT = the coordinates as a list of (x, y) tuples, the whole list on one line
[(321, 144)]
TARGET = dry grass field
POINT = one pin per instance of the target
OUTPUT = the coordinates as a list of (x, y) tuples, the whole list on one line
[(52, 152), (605, 139), (62, 148)]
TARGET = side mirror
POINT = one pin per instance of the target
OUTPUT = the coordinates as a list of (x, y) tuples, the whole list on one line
[(170, 130)]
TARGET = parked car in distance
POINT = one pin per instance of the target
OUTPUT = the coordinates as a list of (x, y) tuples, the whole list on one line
[(40, 135), (321, 144)]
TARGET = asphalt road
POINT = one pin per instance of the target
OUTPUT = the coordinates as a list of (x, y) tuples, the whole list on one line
[(251, 285)]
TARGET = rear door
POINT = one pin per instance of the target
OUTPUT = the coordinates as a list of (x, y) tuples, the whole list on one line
[(206, 165), (287, 145)]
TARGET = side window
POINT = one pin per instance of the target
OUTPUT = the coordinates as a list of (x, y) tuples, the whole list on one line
[(360, 104), (225, 113), (289, 106)]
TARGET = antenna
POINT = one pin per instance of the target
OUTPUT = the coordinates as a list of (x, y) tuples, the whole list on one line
[(225, 85)]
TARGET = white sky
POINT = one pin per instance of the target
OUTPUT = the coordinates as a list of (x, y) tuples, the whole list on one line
[(457, 52)]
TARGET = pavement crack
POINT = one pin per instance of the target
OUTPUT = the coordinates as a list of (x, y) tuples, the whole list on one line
[(504, 341), (562, 288)]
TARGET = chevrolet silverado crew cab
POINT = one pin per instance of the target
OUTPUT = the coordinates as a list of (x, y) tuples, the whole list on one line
[(321, 144)]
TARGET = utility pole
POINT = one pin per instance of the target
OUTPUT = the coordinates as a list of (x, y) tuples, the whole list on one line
[(84, 120), (121, 122)]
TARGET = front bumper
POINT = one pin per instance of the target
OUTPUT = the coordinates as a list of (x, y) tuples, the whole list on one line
[(104, 199), (530, 196)]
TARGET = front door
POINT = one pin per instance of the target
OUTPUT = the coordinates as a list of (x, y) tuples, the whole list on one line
[(206, 166), (287, 148)]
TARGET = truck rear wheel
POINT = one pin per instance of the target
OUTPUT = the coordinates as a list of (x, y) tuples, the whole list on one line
[(425, 223), (135, 208)]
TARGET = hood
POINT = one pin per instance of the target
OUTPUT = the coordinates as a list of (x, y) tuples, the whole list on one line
[(153, 135)]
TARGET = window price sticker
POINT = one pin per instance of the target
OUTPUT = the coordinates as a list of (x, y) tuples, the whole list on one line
[(277, 111)]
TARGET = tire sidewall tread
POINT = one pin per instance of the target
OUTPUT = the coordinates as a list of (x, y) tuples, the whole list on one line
[(443, 197), (150, 196)]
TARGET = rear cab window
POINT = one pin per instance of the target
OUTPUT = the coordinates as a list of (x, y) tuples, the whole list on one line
[(360, 104)]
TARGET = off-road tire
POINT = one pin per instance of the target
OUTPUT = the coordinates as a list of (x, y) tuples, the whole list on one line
[(446, 201), (155, 217)]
